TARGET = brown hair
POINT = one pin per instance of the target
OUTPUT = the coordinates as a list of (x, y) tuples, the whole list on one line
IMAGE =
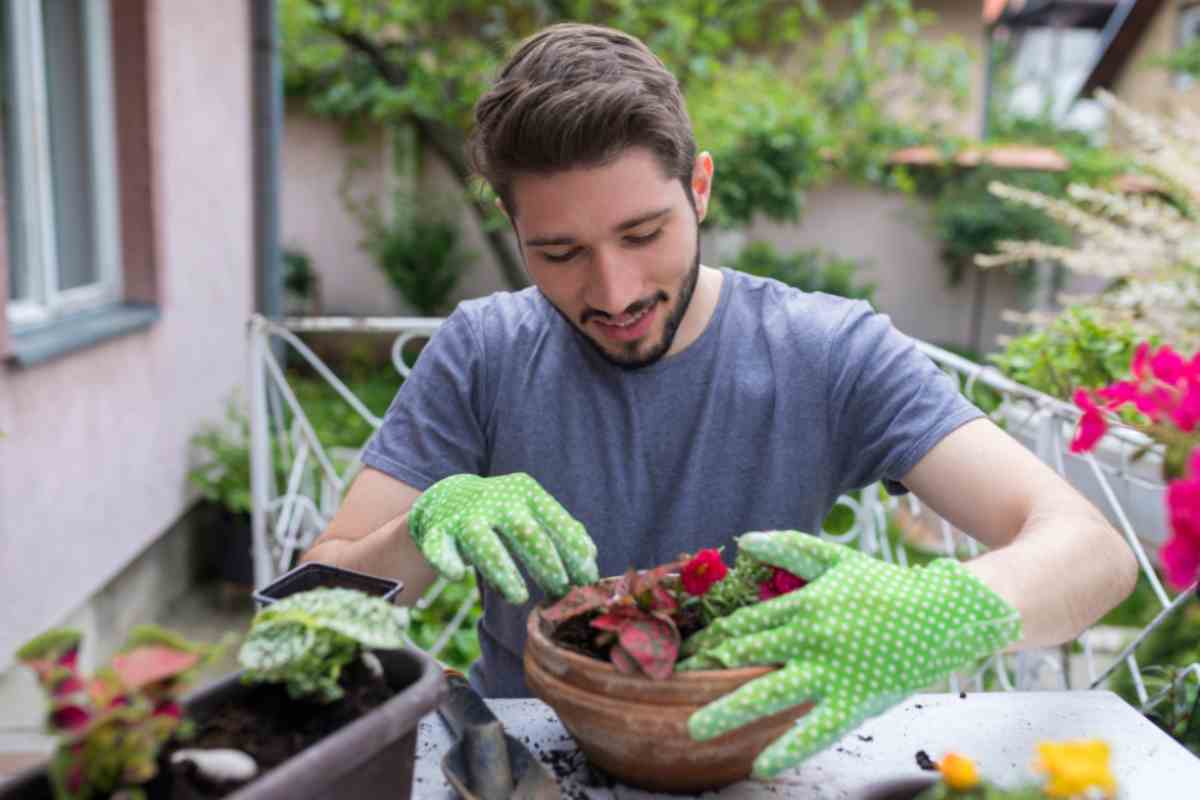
[(577, 95)]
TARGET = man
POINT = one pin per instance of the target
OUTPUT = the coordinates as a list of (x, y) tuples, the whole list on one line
[(639, 400)]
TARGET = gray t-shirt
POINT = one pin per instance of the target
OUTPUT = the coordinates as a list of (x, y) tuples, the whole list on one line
[(785, 401)]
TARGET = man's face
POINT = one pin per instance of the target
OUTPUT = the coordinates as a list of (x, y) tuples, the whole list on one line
[(615, 249)]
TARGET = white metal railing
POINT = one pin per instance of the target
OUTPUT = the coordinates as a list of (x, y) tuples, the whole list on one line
[(288, 514)]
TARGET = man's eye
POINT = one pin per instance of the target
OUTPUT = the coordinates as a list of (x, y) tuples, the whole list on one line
[(649, 237), (559, 258)]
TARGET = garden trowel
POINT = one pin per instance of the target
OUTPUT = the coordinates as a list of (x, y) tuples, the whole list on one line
[(485, 762)]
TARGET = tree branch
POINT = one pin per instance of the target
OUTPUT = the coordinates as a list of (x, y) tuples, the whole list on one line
[(445, 144), (391, 72), (449, 148)]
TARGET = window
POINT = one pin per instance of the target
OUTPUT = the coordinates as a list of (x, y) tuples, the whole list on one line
[(59, 160), (1189, 36)]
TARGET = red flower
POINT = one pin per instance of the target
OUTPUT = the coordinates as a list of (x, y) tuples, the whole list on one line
[(70, 718), (702, 571), (780, 582)]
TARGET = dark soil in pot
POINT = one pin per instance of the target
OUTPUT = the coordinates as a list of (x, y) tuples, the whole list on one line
[(272, 727)]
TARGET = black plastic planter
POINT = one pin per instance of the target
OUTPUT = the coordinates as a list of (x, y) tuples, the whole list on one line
[(372, 757), (313, 575), (899, 789)]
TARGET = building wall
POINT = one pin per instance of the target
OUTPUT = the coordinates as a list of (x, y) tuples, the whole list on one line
[(1149, 88), (322, 165), (93, 463), (889, 235)]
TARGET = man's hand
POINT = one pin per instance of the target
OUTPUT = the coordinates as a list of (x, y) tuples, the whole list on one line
[(858, 639), (465, 516)]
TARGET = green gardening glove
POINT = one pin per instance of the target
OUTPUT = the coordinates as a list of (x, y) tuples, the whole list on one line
[(466, 517), (858, 639)]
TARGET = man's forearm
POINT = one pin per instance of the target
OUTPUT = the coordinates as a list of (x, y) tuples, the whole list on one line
[(388, 551), (1065, 570)]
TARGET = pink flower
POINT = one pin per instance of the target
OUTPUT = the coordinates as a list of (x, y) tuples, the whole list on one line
[(1141, 357), (1181, 557), (1092, 425), (781, 582), (1167, 365), (1181, 554), (702, 571)]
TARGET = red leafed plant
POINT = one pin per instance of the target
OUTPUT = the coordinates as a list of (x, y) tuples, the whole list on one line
[(641, 617), (636, 617), (111, 725)]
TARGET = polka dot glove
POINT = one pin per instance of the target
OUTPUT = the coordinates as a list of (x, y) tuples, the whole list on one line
[(858, 639), (467, 517)]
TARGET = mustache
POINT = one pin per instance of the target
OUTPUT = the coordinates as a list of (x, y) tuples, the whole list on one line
[(633, 308)]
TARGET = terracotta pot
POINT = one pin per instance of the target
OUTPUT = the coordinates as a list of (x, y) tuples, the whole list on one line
[(635, 728)]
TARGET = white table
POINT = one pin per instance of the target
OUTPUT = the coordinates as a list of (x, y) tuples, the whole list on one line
[(999, 730)]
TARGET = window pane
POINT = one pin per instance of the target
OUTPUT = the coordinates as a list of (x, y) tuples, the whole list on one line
[(70, 144)]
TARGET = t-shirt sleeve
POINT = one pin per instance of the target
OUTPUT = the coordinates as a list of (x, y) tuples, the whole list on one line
[(890, 402), (433, 428)]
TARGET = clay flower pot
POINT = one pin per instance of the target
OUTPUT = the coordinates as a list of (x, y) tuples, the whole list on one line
[(635, 728)]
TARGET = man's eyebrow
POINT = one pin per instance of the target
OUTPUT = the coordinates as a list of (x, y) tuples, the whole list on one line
[(642, 218), (559, 241)]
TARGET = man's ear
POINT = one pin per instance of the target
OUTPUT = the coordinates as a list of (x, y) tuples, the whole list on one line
[(702, 178)]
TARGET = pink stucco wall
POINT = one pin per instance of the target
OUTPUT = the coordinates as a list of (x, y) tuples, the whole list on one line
[(92, 469)]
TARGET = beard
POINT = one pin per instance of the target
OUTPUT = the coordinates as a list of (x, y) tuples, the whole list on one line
[(632, 356)]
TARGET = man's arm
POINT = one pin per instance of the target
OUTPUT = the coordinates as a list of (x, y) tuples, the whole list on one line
[(369, 533), (1052, 555)]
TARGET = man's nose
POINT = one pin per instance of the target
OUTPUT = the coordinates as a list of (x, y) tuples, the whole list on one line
[(615, 282)]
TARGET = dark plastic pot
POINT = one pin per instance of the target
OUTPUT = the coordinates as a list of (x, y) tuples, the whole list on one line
[(313, 575), (371, 757), (225, 547), (899, 788)]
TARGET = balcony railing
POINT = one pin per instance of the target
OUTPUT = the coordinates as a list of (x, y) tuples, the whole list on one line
[(298, 482)]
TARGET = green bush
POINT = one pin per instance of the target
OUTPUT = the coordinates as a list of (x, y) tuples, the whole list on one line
[(223, 473), (426, 625), (419, 251), (807, 270), (968, 219), (1076, 351)]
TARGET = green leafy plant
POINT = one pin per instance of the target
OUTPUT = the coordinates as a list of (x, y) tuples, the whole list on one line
[(419, 251), (808, 270), (110, 726), (305, 640), (223, 472), (428, 624), (969, 220), (1076, 351), (299, 277), (1170, 650), (741, 587)]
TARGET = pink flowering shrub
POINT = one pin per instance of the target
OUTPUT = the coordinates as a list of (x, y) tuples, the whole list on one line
[(1164, 391)]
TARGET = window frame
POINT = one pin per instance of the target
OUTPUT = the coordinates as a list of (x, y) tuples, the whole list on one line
[(32, 223)]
